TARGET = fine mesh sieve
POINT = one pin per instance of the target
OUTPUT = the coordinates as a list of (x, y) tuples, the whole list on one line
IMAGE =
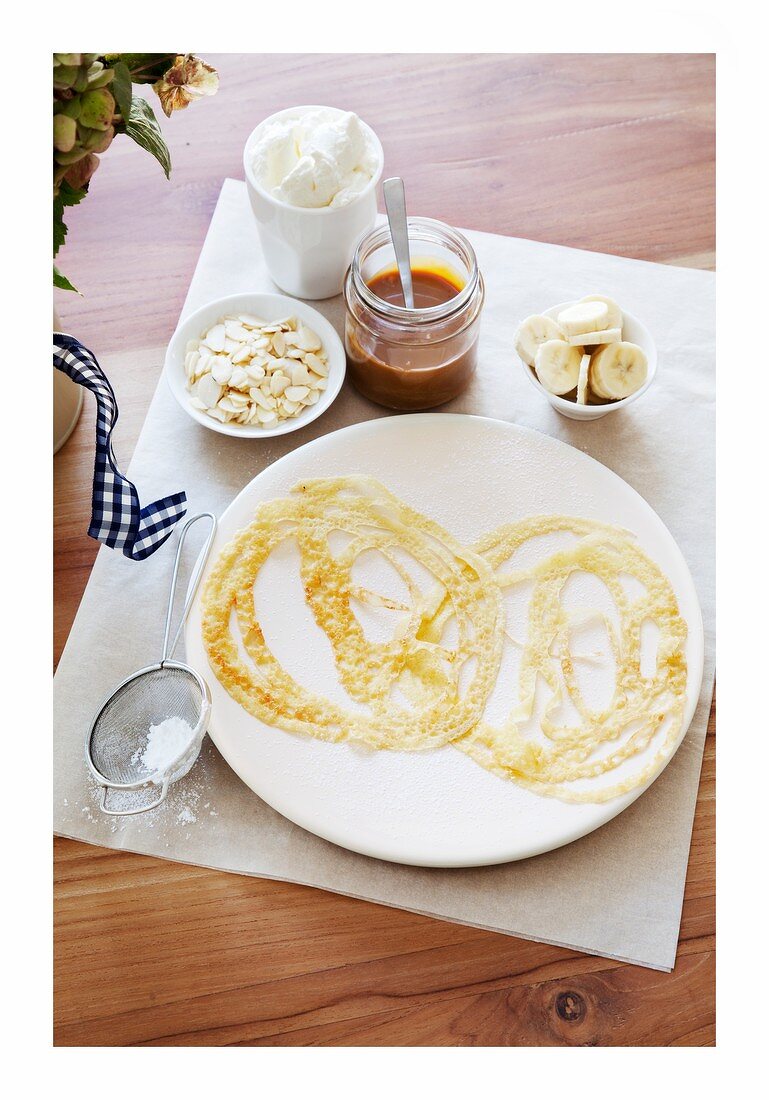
[(169, 689)]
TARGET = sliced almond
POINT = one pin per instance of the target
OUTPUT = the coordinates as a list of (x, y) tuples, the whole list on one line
[(227, 404), (315, 363), (239, 400), (205, 362), (264, 401), (215, 338), (279, 383), (242, 355), (308, 340), (250, 321), (190, 363), (290, 407), (235, 331), (208, 390), (266, 417), (239, 378), (255, 372), (221, 369), (300, 376), (279, 344), (297, 393)]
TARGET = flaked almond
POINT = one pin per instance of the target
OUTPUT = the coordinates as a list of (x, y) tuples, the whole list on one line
[(235, 331), (315, 363), (208, 390), (221, 369), (300, 376), (239, 379), (242, 355), (215, 338), (278, 383), (308, 340), (297, 393)]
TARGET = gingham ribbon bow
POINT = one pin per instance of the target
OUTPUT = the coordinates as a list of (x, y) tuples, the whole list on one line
[(117, 517)]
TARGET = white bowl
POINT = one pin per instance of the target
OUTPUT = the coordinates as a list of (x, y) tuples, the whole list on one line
[(632, 331), (271, 307), (308, 249)]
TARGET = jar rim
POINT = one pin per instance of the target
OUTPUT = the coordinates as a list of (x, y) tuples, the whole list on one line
[(432, 230)]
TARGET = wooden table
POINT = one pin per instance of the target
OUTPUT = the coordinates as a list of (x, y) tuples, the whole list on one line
[(610, 153)]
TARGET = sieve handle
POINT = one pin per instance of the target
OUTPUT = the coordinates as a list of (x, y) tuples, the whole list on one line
[(193, 587), (139, 810)]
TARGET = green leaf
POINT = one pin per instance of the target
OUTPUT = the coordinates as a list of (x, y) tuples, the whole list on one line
[(62, 282), (121, 88), (145, 68), (68, 196), (143, 127)]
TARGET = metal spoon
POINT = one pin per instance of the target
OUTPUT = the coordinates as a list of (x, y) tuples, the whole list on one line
[(395, 203)]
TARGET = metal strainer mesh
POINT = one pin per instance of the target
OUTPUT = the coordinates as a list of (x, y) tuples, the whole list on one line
[(119, 734)]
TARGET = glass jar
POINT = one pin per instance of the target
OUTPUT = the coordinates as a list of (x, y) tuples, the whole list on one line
[(413, 358)]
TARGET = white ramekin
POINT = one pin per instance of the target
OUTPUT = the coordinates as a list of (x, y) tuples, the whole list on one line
[(308, 251), (270, 307), (633, 331)]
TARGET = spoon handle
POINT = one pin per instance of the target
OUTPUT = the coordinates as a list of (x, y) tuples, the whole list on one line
[(395, 202)]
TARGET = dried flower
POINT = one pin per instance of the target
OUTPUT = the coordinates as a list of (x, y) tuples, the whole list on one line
[(188, 78)]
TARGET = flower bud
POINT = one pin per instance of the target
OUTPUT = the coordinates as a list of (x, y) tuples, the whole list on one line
[(97, 109), (64, 133)]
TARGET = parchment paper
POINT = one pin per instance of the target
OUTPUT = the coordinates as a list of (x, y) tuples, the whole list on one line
[(617, 892)]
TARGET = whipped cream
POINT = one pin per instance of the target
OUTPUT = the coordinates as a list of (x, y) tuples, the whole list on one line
[(322, 158)]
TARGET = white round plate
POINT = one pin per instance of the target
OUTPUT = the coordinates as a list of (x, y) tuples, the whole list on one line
[(434, 808), (271, 307)]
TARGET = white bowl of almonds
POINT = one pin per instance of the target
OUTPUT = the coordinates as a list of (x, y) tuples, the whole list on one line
[(587, 357), (255, 365)]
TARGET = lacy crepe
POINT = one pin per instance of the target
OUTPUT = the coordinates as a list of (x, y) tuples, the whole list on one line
[(428, 685)]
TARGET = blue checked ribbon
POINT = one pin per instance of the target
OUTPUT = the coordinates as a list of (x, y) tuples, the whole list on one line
[(117, 517)]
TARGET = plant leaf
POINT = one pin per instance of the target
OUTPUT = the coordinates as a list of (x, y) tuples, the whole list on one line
[(142, 126), (68, 196), (61, 281), (145, 68), (121, 88)]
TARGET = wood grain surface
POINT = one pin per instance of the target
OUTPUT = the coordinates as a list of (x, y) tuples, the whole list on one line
[(613, 153)]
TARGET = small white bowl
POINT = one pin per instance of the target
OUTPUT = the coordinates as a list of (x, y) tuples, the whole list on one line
[(271, 307), (633, 332)]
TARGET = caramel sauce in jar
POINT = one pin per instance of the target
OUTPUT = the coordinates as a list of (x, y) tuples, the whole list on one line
[(413, 359)]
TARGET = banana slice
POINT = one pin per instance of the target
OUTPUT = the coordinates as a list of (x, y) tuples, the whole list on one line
[(584, 373), (557, 366), (593, 339), (584, 317), (532, 332), (618, 370), (616, 320)]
